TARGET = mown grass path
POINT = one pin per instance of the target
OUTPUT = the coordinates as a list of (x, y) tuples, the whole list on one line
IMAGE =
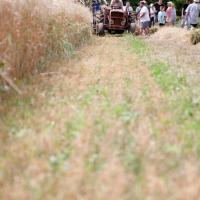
[(98, 129)]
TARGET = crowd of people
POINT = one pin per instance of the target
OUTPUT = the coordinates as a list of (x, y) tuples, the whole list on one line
[(159, 13), (190, 14), (149, 15)]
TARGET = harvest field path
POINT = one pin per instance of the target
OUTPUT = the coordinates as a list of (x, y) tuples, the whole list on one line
[(96, 128)]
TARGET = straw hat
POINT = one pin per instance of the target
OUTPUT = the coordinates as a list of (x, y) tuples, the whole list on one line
[(169, 2)]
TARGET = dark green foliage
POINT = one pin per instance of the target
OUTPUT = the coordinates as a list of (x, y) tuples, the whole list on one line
[(179, 4)]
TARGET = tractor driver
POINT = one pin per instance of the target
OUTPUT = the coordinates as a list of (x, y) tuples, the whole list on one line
[(118, 4)]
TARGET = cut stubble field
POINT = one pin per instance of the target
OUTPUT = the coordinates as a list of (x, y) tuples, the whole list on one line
[(102, 127)]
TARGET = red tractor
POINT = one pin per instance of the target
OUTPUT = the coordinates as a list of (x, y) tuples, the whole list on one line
[(113, 20)]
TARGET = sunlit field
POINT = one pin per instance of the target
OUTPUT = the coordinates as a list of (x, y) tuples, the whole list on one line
[(115, 117), (35, 31)]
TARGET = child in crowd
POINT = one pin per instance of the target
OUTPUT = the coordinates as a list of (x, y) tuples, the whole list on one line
[(169, 13), (162, 16), (173, 17)]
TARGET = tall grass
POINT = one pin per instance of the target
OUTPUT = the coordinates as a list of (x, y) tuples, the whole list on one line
[(33, 31)]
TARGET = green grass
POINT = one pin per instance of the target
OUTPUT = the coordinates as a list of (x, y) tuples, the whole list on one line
[(132, 160), (186, 110), (24, 107), (179, 97), (168, 80), (124, 112), (105, 125), (59, 161), (101, 126), (74, 125), (94, 161), (137, 45)]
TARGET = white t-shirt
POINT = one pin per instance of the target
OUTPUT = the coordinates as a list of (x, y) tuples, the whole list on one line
[(152, 11), (145, 17), (193, 11)]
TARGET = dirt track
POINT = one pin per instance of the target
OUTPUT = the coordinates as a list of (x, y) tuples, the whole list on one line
[(96, 132)]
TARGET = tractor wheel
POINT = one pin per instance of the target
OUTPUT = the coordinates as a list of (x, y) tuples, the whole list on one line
[(132, 28), (99, 29)]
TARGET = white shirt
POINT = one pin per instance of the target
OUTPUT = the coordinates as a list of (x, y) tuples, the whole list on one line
[(193, 11), (152, 11), (128, 9), (145, 17)]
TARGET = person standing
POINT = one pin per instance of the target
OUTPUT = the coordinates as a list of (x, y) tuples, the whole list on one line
[(183, 11), (137, 11), (169, 13), (128, 8), (152, 15), (158, 6), (116, 4), (144, 18), (173, 17), (183, 14), (192, 13), (95, 6), (162, 16)]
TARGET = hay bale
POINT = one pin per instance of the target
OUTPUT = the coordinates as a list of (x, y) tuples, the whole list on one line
[(171, 35), (195, 37), (153, 30)]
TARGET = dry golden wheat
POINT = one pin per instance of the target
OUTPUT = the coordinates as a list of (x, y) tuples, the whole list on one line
[(34, 31), (195, 37)]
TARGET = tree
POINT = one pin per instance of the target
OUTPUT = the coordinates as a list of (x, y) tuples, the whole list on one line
[(178, 3), (134, 3)]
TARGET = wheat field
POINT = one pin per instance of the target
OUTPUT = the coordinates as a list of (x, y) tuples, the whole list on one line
[(33, 32)]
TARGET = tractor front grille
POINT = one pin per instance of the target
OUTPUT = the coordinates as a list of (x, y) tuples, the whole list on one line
[(117, 14)]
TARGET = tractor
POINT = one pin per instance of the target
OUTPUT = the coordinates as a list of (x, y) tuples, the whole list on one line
[(113, 20)]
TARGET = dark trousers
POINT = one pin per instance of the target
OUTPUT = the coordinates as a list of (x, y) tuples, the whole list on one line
[(194, 25), (152, 21)]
